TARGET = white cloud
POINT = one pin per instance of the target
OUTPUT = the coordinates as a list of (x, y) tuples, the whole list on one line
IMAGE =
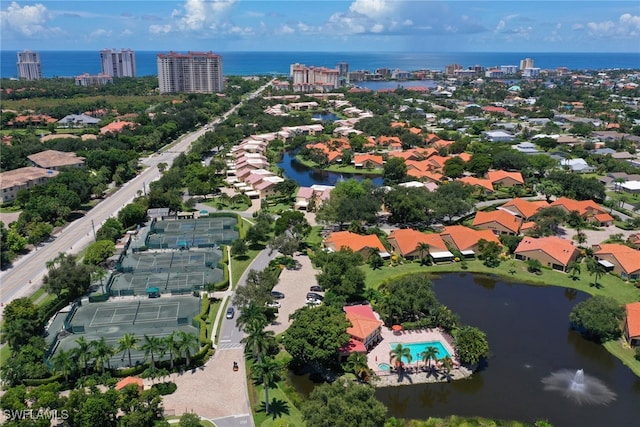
[(375, 9), (577, 27), (28, 21), (628, 26), (200, 14), (100, 33), (159, 29)]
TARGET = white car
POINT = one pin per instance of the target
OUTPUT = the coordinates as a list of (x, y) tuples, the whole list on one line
[(313, 301), (274, 304)]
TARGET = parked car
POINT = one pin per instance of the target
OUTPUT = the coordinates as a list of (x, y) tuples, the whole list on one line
[(313, 295), (274, 304), (276, 294), (316, 288), (230, 313), (311, 301)]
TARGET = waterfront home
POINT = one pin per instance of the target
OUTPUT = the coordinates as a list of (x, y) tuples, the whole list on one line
[(498, 221), (552, 251), (406, 243), (466, 239), (621, 259), (364, 244), (365, 330), (632, 324), (368, 161), (588, 209)]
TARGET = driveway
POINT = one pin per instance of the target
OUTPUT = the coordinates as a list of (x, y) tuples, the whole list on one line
[(595, 237), (295, 285)]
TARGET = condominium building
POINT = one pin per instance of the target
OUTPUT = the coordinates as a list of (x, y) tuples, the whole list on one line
[(118, 63), (450, 69), (194, 72), (29, 67), (343, 73), (307, 79), (87, 79), (526, 63)]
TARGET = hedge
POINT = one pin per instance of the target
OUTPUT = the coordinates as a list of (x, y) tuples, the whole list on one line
[(34, 382)]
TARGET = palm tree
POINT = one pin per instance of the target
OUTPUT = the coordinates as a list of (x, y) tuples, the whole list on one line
[(83, 352), (187, 343), (574, 269), (102, 353), (100, 274), (224, 199), (266, 371), (424, 249), (357, 363), (127, 343), (399, 352), (152, 346), (258, 340), (64, 362), (250, 313), (595, 268), (447, 365), (375, 260), (430, 353), (173, 347)]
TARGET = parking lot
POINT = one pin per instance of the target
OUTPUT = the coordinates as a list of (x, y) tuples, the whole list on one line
[(295, 286)]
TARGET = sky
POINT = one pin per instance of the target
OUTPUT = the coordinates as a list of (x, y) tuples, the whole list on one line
[(323, 25)]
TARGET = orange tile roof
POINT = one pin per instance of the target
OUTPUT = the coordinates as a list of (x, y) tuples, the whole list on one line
[(582, 206), (407, 240), (465, 237), (499, 175), (363, 320), (385, 140), (127, 381), (477, 182), (557, 248), (505, 219), (633, 319), (525, 207), (115, 127), (361, 158), (603, 217), (431, 176), (464, 156), (628, 258), (529, 225), (355, 242)]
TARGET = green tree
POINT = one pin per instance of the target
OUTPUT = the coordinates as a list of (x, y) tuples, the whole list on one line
[(489, 253), (574, 270), (471, 344), (358, 365), (394, 171), (111, 230), (152, 347), (598, 318), (189, 419), (454, 167), (267, 371), (398, 353), (66, 278), (172, 345), (83, 352), (316, 334), (340, 273), (102, 353), (595, 269), (21, 322), (239, 248), (258, 340), (97, 252), (64, 362), (343, 404), (188, 344), (133, 214), (425, 252), (430, 353), (128, 342), (375, 260), (479, 164)]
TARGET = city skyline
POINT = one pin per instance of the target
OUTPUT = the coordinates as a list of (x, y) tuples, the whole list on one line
[(299, 25)]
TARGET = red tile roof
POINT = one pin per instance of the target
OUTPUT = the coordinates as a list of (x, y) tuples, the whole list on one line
[(355, 242), (407, 240), (477, 182), (465, 238), (524, 207), (633, 319), (503, 218), (363, 320), (582, 206), (628, 258), (499, 175)]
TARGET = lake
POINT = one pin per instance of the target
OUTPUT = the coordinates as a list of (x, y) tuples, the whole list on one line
[(530, 338), (306, 176)]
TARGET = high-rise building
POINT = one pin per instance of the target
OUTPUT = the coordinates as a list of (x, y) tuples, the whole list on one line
[(343, 73), (118, 63), (526, 63), (306, 79), (450, 69), (194, 72), (29, 67)]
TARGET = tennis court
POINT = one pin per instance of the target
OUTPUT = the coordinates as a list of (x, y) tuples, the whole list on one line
[(192, 233), (112, 319)]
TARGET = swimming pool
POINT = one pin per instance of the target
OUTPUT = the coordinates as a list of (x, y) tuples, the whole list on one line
[(384, 366), (418, 347)]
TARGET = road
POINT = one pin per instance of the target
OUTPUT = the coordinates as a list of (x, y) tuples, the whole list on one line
[(25, 276)]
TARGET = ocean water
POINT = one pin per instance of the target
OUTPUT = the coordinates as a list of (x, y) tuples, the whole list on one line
[(73, 63)]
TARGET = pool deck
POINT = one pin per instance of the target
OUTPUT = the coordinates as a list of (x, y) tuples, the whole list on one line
[(414, 372)]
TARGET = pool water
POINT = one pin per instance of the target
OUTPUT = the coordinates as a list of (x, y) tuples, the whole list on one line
[(419, 347), (384, 366)]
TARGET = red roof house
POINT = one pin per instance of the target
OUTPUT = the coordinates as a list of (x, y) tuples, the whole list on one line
[(632, 323), (551, 251)]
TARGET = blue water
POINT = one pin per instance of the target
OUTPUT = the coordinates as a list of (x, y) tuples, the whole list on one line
[(72, 63), (419, 347), (325, 117)]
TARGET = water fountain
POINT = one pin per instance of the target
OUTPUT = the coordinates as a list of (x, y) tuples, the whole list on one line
[(579, 387)]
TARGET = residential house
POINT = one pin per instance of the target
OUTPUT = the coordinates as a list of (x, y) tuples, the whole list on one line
[(365, 330), (356, 242), (304, 198), (11, 182), (552, 251), (54, 160), (577, 165), (523, 208), (368, 161), (116, 127), (632, 324), (498, 221), (588, 209), (621, 259), (78, 120), (498, 136), (483, 185), (505, 179), (405, 242), (465, 239)]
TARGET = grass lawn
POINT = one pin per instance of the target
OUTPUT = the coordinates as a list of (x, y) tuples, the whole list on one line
[(515, 271), (340, 168), (314, 238), (627, 355), (9, 209), (240, 264), (240, 207)]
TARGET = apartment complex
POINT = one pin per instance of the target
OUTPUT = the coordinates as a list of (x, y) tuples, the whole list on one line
[(29, 67), (12, 182), (194, 72), (316, 79), (87, 79), (118, 63)]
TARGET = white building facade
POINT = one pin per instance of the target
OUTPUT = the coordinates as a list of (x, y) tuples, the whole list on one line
[(29, 67), (118, 63), (193, 72)]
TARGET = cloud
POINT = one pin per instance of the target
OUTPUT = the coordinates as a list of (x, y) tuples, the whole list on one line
[(27, 21), (100, 33), (201, 14), (159, 29), (628, 26), (375, 9)]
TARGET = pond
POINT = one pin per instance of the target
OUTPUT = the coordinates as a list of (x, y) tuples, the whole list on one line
[(325, 117), (529, 336), (306, 176)]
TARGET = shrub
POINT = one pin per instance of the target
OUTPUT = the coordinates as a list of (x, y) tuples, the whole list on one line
[(638, 353), (165, 388)]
